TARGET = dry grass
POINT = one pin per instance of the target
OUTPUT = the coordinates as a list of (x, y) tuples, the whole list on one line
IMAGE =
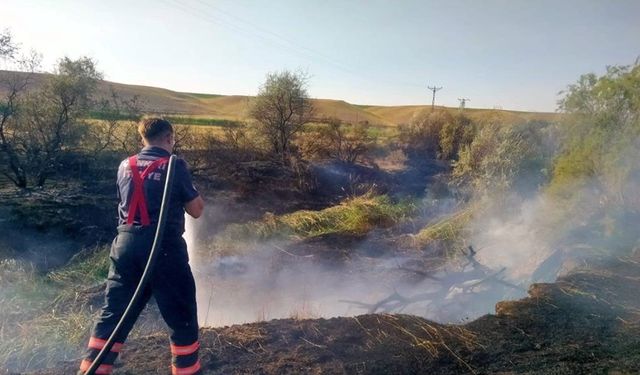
[(41, 322), (47, 318), (234, 107), (248, 337), (44, 339), (304, 310), (404, 114), (432, 338)]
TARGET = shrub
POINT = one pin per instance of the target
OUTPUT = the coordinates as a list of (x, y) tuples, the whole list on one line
[(436, 134), (421, 136), (503, 158), (332, 139), (596, 176)]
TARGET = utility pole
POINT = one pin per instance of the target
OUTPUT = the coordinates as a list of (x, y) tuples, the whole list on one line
[(433, 100), (463, 102)]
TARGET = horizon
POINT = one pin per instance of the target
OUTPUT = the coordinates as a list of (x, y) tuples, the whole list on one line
[(373, 53), (468, 107)]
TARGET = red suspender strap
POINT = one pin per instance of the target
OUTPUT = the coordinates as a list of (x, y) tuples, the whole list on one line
[(138, 191), (138, 201)]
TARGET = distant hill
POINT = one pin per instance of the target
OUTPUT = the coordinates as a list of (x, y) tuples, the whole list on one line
[(234, 107)]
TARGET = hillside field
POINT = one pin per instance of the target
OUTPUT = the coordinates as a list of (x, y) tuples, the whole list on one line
[(234, 107)]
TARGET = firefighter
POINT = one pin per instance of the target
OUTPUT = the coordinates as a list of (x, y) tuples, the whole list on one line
[(140, 188)]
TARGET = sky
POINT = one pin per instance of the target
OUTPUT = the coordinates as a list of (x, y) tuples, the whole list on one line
[(510, 54)]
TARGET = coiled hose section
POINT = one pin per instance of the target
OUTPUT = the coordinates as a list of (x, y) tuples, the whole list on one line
[(157, 240)]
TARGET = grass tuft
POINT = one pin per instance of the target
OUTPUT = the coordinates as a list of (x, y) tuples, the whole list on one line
[(448, 233), (90, 266), (355, 216)]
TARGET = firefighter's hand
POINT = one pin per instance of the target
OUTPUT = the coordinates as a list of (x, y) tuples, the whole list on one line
[(195, 207)]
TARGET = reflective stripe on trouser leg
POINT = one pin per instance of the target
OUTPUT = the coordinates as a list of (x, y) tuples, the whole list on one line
[(121, 283), (93, 348), (174, 289), (185, 359)]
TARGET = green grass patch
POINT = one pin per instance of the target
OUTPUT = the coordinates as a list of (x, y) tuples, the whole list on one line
[(203, 96), (382, 133), (104, 115), (88, 267), (354, 216), (203, 121), (448, 233), (182, 120)]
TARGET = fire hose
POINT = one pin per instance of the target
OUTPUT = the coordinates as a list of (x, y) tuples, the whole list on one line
[(157, 240)]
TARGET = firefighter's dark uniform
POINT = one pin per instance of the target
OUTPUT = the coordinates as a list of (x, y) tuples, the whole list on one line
[(171, 282)]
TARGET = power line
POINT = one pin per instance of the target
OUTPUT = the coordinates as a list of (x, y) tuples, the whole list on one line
[(273, 38), (297, 45), (463, 102), (434, 89), (279, 37), (286, 46)]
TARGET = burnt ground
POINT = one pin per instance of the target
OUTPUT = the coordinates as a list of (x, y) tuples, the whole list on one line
[(71, 214), (585, 323)]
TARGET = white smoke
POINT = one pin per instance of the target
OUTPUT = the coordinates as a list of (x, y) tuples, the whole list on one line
[(271, 283), (242, 289), (513, 249), (513, 241)]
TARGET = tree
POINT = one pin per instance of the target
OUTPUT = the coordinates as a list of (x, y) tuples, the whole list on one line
[(37, 127), (117, 128), (281, 108), (14, 87), (600, 132), (595, 180), (8, 48), (339, 141)]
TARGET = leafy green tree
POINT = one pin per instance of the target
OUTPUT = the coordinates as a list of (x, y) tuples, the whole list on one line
[(281, 109), (436, 134), (601, 139)]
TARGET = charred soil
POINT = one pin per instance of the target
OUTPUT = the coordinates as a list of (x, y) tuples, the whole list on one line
[(585, 323)]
